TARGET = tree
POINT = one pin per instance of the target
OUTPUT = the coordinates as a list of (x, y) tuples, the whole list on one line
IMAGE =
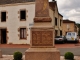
[(79, 32), (78, 25)]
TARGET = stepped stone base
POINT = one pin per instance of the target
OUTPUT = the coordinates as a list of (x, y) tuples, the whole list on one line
[(42, 54), (0, 54)]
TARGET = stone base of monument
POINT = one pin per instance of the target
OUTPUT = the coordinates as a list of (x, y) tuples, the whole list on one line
[(42, 54), (0, 54)]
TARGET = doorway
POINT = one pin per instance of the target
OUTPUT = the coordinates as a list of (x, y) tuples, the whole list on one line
[(3, 36)]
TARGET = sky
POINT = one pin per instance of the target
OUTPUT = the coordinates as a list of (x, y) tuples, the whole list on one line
[(70, 9)]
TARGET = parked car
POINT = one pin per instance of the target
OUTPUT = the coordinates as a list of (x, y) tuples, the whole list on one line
[(61, 39), (72, 36)]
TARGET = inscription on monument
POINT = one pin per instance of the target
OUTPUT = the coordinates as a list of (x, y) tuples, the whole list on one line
[(42, 8), (42, 38)]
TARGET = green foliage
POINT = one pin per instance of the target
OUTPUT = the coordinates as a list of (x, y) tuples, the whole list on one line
[(79, 32), (78, 25), (69, 55), (17, 55)]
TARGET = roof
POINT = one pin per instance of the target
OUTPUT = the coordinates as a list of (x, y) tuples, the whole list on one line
[(68, 21), (60, 14), (14, 1), (52, 5)]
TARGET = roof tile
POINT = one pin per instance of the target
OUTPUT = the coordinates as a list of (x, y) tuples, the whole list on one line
[(14, 1)]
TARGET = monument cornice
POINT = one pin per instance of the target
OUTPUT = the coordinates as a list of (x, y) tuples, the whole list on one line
[(42, 19)]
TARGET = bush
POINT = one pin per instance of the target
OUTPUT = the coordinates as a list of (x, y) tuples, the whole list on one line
[(17, 55), (69, 55)]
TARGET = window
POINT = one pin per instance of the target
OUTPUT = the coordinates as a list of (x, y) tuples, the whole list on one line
[(55, 21), (73, 34), (3, 16), (22, 33), (23, 15), (68, 27), (60, 33), (56, 32), (69, 34), (60, 22)]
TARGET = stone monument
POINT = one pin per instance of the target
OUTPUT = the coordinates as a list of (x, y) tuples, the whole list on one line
[(0, 54), (42, 35)]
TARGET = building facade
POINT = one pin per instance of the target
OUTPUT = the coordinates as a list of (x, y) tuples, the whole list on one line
[(69, 26), (16, 19), (57, 18)]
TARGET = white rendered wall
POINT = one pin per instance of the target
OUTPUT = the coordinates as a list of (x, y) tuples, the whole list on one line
[(13, 22)]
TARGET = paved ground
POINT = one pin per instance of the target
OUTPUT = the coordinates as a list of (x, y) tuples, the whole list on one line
[(10, 49), (75, 51), (14, 46), (66, 45), (10, 57), (20, 47)]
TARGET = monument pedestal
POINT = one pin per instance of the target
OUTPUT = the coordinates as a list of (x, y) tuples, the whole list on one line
[(42, 45), (42, 54), (0, 54), (42, 35)]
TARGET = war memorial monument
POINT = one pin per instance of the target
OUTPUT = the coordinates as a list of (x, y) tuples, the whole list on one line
[(42, 35)]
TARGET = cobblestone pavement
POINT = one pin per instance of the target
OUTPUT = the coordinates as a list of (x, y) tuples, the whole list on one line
[(14, 46), (66, 45), (10, 57)]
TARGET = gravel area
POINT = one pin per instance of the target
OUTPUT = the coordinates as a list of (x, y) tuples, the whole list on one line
[(10, 57)]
